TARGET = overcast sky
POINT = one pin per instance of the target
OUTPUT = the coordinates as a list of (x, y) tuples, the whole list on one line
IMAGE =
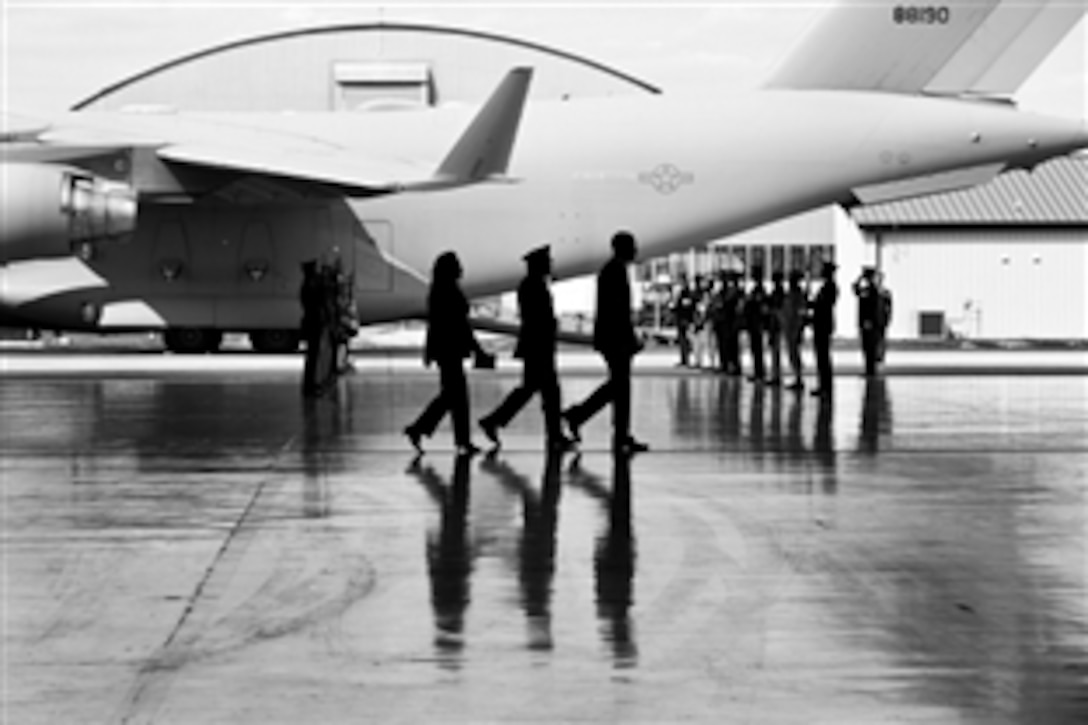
[(56, 53)]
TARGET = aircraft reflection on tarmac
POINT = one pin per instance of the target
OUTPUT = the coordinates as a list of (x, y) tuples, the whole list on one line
[(458, 540)]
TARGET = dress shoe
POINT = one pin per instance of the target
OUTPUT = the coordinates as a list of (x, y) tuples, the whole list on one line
[(491, 431), (467, 449), (629, 446), (575, 428), (415, 438), (560, 443)]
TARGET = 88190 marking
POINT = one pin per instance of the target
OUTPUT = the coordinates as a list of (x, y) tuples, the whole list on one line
[(921, 14)]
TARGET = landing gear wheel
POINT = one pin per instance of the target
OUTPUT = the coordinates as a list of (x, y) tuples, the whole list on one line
[(274, 341), (192, 340)]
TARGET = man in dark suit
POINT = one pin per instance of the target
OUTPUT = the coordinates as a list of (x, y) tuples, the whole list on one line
[(614, 337), (823, 327), (536, 349)]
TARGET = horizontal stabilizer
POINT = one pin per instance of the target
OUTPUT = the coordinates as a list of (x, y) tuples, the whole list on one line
[(484, 148), (957, 47), (932, 184)]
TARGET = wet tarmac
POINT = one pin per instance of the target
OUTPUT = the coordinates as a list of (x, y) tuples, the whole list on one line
[(205, 548)]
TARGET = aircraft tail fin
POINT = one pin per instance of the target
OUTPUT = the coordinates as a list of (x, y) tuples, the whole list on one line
[(956, 47), (484, 148)]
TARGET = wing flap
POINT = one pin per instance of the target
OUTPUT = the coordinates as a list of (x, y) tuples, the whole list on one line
[(931, 184), (371, 175)]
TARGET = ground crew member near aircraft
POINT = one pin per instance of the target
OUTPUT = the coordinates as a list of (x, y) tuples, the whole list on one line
[(536, 349), (755, 316), (450, 340), (614, 338), (774, 325), (823, 327), (312, 300), (870, 315), (793, 315)]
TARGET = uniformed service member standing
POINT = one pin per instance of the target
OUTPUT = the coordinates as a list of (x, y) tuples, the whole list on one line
[(755, 317), (823, 327), (614, 337), (870, 318), (794, 315), (536, 348), (774, 326), (683, 312)]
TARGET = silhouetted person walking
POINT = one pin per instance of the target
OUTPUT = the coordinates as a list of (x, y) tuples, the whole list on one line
[(823, 327), (536, 348), (870, 314), (614, 338), (449, 341)]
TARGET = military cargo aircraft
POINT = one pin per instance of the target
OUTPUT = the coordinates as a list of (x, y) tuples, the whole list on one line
[(195, 224)]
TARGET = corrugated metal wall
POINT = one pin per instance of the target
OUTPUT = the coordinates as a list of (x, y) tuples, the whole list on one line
[(989, 284)]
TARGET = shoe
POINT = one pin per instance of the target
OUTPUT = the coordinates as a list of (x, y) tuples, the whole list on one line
[(467, 449), (415, 438), (491, 432), (775, 382), (575, 432), (797, 385), (560, 444), (629, 446)]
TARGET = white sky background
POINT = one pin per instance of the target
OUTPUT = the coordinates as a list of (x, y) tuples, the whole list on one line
[(57, 53)]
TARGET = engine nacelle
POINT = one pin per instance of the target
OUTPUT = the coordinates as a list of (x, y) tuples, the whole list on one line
[(55, 211)]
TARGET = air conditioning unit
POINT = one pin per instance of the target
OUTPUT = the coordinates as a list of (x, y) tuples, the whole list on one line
[(931, 325)]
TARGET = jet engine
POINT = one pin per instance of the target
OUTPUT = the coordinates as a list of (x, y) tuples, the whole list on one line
[(56, 211)]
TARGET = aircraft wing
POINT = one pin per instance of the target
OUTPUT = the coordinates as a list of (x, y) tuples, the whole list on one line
[(482, 152), (956, 47)]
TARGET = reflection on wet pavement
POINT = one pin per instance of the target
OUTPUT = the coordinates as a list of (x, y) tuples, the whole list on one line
[(211, 549)]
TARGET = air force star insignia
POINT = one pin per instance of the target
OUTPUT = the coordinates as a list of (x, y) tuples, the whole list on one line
[(666, 178)]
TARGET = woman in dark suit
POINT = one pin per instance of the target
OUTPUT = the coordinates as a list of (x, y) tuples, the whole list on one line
[(449, 341)]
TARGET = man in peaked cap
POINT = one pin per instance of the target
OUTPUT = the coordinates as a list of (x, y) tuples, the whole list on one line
[(536, 348)]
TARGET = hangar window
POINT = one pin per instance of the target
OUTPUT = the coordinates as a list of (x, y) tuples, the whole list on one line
[(371, 85)]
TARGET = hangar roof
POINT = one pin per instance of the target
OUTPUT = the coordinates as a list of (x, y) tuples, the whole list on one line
[(319, 69), (1054, 194)]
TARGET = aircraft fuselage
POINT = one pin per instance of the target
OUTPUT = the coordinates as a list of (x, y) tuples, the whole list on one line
[(676, 172)]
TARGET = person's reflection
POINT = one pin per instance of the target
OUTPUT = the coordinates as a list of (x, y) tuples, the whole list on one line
[(795, 443), (614, 558), (729, 390), (322, 426), (755, 419), (536, 549), (449, 556), (876, 415), (823, 443)]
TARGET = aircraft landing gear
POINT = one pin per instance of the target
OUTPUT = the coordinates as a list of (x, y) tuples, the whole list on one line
[(192, 340), (275, 341)]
